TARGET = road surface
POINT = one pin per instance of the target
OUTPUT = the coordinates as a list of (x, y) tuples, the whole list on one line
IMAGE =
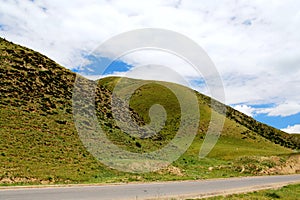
[(159, 190)]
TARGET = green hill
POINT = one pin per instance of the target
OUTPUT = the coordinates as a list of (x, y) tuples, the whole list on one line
[(39, 143)]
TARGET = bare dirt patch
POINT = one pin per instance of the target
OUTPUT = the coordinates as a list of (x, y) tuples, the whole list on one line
[(291, 166), (171, 170)]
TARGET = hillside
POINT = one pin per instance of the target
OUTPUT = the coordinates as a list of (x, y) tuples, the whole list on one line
[(40, 144)]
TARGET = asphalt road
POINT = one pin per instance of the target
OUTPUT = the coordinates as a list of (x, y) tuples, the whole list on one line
[(160, 190)]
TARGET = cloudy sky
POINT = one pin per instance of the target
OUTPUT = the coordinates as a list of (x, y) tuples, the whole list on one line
[(255, 45)]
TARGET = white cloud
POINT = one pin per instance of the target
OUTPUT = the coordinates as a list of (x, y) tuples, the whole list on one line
[(292, 129), (283, 110), (162, 58), (248, 110), (254, 44)]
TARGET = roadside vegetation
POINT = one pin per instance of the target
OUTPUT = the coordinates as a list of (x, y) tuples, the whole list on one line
[(289, 192)]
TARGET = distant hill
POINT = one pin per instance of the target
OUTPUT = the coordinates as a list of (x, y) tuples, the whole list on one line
[(39, 142)]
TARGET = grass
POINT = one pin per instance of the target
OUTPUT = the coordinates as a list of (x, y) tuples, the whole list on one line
[(290, 192), (36, 149)]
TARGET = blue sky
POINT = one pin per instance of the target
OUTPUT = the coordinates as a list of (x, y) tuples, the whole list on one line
[(278, 121), (101, 66), (254, 45)]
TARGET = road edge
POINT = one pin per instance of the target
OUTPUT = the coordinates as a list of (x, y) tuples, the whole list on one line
[(229, 192)]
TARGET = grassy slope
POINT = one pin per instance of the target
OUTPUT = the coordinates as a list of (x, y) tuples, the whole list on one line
[(39, 142)]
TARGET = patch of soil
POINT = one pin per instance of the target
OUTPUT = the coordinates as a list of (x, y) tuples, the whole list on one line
[(171, 170), (291, 166)]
